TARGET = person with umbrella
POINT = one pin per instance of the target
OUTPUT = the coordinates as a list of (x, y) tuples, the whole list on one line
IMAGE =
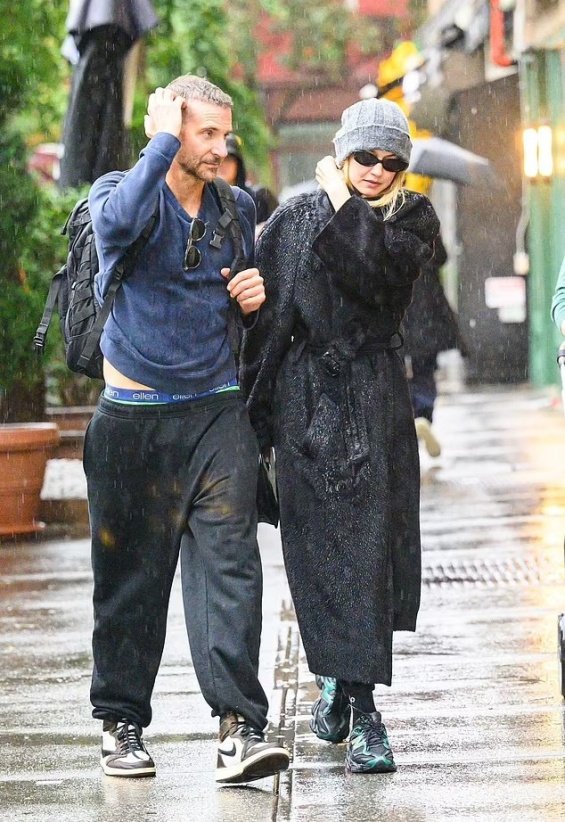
[(429, 327), (327, 389)]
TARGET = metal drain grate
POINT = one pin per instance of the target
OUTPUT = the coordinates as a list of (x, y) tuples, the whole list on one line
[(493, 572)]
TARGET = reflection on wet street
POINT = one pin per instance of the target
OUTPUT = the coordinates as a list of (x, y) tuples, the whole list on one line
[(475, 714)]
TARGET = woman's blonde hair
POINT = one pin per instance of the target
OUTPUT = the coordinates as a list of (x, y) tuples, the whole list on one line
[(391, 200)]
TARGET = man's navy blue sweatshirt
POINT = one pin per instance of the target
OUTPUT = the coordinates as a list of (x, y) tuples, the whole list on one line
[(168, 328)]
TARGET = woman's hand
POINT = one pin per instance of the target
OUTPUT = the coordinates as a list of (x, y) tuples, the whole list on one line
[(331, 179)]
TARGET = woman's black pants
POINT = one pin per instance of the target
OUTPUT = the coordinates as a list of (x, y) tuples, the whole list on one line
[(163, 480), (422, 385)]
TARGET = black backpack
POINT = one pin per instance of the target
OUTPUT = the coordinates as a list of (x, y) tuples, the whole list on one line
[(72, 287)]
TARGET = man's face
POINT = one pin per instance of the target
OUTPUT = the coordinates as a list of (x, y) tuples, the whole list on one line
[(203, 139)]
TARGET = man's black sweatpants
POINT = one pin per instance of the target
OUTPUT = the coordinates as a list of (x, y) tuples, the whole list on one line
[(163, 479)]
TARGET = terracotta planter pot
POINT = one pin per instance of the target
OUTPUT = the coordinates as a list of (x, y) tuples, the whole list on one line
[(24, 449)]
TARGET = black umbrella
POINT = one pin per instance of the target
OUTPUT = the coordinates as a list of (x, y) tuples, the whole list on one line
[(441, 159), (94, 136), (134, 17)]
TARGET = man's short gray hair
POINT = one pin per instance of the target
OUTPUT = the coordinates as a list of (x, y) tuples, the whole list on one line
[(192, 87)]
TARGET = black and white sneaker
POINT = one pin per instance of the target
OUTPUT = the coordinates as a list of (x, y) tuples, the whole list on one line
[(243, 754), (123, 751)]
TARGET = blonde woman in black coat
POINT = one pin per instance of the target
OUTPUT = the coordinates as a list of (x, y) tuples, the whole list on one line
[(326, 388)]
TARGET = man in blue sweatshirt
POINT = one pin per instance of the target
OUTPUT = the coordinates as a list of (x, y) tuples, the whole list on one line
[(170, 456)]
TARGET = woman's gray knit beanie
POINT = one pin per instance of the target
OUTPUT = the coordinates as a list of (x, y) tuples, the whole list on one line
[(371, 124)]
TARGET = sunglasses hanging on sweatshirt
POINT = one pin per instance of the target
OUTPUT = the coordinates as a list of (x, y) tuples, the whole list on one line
[(193, 255)]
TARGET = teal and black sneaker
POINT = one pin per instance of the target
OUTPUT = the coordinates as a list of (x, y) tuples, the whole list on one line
[(368, 749), (331, 712)]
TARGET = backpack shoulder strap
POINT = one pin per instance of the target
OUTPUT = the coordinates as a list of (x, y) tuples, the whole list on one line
[(51, 301), (229, 221)]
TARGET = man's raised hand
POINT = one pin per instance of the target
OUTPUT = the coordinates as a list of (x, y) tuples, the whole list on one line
[(164, 113)]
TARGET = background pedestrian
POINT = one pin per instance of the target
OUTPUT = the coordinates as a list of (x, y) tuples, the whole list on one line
[(234, 172)]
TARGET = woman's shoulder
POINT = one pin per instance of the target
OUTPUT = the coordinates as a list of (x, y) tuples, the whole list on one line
[(295, 209), (414, 201), (417, 208), (297, 204)]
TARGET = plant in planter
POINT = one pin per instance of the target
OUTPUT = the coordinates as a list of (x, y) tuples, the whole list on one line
[(23, 445)]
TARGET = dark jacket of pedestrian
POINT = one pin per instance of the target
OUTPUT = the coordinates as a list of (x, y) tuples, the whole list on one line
[(264, 199), (327, 388), (430, 325)]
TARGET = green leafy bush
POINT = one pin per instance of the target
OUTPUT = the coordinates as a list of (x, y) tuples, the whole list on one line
[(21, 375), (24, 75)]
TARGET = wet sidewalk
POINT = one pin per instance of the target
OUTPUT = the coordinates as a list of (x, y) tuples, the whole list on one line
[(475, 713)]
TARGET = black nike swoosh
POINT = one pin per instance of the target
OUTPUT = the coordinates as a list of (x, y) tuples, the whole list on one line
[(228, 753)]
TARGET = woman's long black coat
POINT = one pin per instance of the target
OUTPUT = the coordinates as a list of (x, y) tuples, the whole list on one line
[(326, 386)]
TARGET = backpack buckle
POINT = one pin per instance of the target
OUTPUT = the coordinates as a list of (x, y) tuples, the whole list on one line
[(220, 230)]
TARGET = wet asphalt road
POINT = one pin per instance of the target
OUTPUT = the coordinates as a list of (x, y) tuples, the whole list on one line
[(475, 713)]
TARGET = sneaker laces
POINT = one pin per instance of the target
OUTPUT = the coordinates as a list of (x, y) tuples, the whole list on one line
[(129, 738), (374, 733), (251, 733)]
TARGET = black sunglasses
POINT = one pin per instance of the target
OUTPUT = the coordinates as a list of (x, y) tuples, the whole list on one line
[(365, 158), (192, 255)]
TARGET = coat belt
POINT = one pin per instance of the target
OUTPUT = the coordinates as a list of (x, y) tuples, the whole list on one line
[(334, 355)]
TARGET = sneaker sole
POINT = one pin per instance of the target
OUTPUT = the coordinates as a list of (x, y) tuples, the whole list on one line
[(382, 768), (256, 767), (328, 737), (431, 443), (131, 773)]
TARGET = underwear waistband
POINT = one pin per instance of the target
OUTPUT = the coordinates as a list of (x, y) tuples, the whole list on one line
[(140, 396)]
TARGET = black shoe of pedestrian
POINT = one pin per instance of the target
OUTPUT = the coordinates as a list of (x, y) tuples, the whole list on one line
[(331, 712), (123, 751), (243, 753), (368, 749)]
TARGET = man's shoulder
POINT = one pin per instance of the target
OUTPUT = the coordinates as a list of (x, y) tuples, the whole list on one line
[(108, 180), (244, 200)]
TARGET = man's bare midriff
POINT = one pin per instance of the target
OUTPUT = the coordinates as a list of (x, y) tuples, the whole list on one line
[(116, 379)]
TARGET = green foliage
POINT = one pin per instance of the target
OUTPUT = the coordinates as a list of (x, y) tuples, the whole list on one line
[(25, 76), (195, 37), (320, 35), (32, 71), (18, 205), (41, 251), (211, 38), (218, 40)]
